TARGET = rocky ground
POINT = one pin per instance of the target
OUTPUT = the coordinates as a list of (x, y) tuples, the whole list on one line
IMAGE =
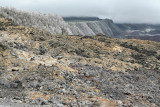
[(152, 38), (41, 69)]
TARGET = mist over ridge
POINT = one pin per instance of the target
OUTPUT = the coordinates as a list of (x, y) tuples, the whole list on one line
[(121, 11)]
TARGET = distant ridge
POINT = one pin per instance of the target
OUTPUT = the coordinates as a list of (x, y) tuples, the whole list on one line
[(86, 26), (81, 18)]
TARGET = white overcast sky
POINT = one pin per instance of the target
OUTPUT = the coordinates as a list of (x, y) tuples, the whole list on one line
[(129, 11)]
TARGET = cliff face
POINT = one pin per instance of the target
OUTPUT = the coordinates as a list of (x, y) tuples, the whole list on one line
[(90, 28), (39, 68)]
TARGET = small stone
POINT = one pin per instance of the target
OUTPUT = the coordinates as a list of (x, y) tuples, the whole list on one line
[(35, 85), (59, 57), (79, 104), (81, 74), (64, 102), (96, 104), (127, 91), (18, 101), (5, 82), (119, 102), (56, 102), (44, 102), (2, 95), (51, 88), (16, 64), (87, 74), (15, 69), (89, 104), (53, 100), (40, 101), (136, 97), (64, 90), (14, 85), (90, 96), (88, 82), (60, 105), (83, 102), (77, 96)]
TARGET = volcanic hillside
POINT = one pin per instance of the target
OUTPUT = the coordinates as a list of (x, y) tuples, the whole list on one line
[(39, 68)]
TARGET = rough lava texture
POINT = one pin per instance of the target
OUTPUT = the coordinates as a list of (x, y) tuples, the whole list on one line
[(38, 68)]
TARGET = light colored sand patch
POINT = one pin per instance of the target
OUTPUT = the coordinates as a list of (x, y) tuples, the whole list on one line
[(118, 48)]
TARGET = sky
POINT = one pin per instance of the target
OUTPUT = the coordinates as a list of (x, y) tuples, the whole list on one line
[(120, 11)]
